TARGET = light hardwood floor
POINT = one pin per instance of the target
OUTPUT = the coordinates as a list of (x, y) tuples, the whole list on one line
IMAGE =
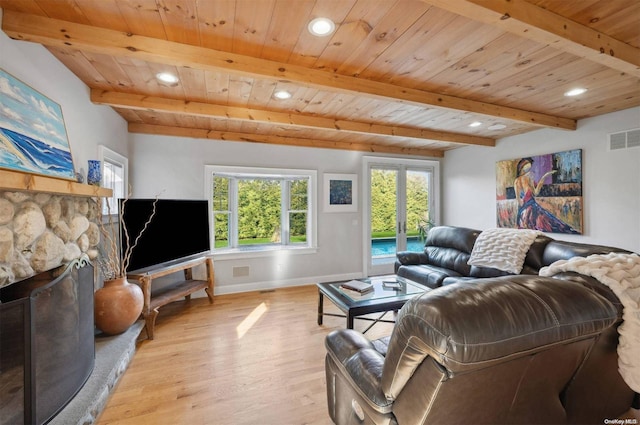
[(249, 359), (253, 358)]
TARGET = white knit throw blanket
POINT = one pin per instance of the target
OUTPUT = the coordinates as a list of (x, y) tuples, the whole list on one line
[(621, 273)]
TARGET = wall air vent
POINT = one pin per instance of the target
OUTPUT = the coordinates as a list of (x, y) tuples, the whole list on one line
[(624, 140)]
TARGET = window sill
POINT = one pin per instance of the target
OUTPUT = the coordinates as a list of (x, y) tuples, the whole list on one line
[(233, 254)]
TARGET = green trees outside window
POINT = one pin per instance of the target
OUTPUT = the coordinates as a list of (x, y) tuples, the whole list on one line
[(383, 200), (268, 210)]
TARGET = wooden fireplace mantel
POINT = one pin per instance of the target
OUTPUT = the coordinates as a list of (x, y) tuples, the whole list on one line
[(16, 180)]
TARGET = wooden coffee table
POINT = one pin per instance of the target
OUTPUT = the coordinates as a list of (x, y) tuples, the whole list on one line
[(381, 299)]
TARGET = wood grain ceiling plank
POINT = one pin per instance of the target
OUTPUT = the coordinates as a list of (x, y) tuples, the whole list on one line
[(287, 23), (591, 103), (393, 25), (520, 86), (530, 21), (105, 14), (515, 71), (141, 77), (560, 80), (215, 24), (143, 17), (251, 26), (24, 6), (72, 12), (193, 83), (129, 115), (618, 19), (217, 86), (308, 47), (499, 59), (110, 70), (163, 105), (180, 20), (78, 63), (262, 93), (270, 139), (240, 90), (440, 50), (420, 36), (352, 33), (53, 32)]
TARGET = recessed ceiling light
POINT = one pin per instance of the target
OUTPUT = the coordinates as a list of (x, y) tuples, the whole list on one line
[(167, 77), (575, 92), (282, 94), (497, 127), (321, 27), (475, 124)]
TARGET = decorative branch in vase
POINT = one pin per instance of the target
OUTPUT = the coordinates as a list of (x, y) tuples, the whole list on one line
[(118, 304)]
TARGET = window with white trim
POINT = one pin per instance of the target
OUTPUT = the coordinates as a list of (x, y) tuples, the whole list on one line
[(260, 209), (115, 170)]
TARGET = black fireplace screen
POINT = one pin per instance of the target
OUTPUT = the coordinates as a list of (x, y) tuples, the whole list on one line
[(47, 348)]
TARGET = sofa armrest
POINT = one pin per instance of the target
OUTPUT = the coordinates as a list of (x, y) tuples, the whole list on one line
[(412, 258), (361, 364)]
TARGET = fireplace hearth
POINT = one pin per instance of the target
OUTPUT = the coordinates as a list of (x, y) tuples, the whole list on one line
[(47, 345)]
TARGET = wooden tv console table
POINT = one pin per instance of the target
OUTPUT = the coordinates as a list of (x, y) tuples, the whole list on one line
[(144, 278)]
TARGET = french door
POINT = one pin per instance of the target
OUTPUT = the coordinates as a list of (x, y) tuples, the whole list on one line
[(401, 199)]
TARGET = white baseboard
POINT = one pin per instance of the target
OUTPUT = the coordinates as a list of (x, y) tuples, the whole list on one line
[(222, 289)]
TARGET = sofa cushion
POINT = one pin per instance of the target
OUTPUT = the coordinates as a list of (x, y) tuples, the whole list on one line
[(487, 272), (563, 250), (425, 274), (533, 260), (458, 238)]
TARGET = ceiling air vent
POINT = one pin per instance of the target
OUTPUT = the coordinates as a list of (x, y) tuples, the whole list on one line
[(624, 140)]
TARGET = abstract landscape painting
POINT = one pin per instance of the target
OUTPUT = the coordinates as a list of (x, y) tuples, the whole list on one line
[(541, 192), (33, 137)]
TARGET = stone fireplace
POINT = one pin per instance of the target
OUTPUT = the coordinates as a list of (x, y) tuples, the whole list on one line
[(46, 226), (47, 347), (41, 231)]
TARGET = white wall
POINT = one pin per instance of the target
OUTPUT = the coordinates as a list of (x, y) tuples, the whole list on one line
[(173, 167), (611, 179), (88, 125)]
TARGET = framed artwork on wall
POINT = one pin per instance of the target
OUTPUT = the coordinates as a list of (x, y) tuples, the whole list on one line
[(33, 136), (541, 192), (340, 192)]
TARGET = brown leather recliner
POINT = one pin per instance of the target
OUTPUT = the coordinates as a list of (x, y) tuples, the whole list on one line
[(497, 351)]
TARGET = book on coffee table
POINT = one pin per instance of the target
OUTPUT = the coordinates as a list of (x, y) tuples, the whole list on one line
[(358, 286)]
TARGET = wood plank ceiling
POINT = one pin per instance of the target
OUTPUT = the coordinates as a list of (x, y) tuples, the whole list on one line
[(396, 76)]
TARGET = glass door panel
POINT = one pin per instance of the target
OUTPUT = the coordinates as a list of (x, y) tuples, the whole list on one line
[(417, 209), (383, 216), (398, 211)]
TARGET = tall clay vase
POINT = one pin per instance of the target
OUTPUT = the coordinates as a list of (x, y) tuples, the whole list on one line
[(117, 305)]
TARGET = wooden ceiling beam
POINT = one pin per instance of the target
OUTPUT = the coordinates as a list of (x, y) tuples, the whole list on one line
[(174, 106), (58, 33), (202, 133), (527, 20)]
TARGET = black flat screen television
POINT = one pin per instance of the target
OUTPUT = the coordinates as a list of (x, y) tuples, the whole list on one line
[(179, 228)]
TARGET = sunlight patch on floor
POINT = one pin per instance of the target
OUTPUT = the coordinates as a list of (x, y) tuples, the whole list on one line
[(251, 320)]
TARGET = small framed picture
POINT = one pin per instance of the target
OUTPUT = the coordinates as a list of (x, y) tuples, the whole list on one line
[(340, 192)]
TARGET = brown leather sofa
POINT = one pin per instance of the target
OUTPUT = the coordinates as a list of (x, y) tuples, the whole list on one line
[(486, 349), (503, 350), (448, 248)]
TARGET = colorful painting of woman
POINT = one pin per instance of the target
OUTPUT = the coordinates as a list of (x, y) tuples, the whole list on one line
[(530, 214), (542, 192)]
